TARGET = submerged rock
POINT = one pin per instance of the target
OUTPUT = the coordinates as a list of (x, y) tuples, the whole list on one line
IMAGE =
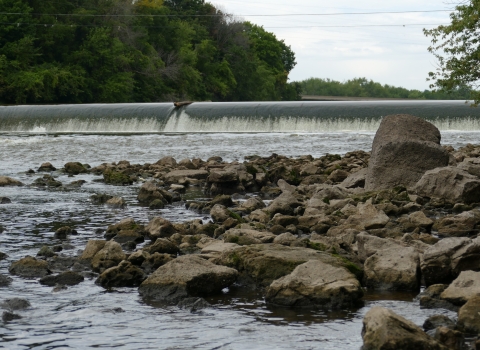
[(68, 278), (14, 304), (194, 304), (385, 330), (186, 276)]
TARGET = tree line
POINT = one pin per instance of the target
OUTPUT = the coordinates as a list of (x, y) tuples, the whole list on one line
[(362, 87), (85, 51)]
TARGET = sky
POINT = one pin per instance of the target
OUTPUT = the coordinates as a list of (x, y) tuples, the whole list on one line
[(345, 46)]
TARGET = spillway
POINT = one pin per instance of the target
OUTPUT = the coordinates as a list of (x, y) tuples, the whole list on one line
[(235, 117)]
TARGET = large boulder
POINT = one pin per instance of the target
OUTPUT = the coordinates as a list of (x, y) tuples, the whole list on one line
[(315, 283), (150, 192), (385, 330), (403, 149), (261, 264), (460, 225), (29, 267), (124, 275), (110, 255), (469, 316), (443, 261), (450, 184), (93, 247), (186, 276), (465, 286)]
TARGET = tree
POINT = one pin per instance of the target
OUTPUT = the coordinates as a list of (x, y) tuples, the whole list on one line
[(456, 46)]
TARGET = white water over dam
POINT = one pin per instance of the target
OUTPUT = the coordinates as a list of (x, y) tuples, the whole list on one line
[(236, 117)]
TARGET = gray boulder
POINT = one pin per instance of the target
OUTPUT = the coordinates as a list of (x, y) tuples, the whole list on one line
[(403, 149), (450, 184), (315, 283), (186, 276)]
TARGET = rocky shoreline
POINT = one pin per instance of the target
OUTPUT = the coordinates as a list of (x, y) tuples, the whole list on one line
[(306, 232)]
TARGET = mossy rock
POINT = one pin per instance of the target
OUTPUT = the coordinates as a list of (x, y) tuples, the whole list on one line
[(117, 178)]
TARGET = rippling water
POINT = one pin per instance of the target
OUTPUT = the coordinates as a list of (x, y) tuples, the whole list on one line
[(88, 316)]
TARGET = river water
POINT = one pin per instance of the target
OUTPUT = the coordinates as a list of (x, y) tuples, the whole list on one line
[(87, 316)]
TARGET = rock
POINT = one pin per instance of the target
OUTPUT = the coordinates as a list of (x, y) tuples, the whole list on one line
[(464, 287), (126, 230), (449, 183), (355, 180), (5, 200), (383, 329), (167, 161), (150, 192), (156, 204), (315, 283), (284, 204), (259, 216), (93, 247), (393, 269), (452, 339), (368, 217), (285, 186), (443, 261), (219, 213), (124, 275), (186, 276), (430, 298), (469, 316), (68, 278), (285, 238), (46, 252), (64, 232), (46, 167), (187, 163), (403, 149), (162, 245), (117, 178), (159, 227), (193, 304), (29, 267), (14, 304), (9, 316), (284, 220), (126, 236), (110, 255), (100, 198), (419, 219), (74, 168), (154, 261), (176, 175), (251, 205), (116, 202), (338, 175), (247, 236), (436, 321), (460, 225), (8, 181), (5, 281), (217, 248), (261, 264), (369, 245)]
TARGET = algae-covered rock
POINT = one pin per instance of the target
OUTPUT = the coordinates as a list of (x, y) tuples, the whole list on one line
[(29, 267)]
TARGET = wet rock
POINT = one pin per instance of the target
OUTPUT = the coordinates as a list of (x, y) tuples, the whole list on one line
[(117, 178), (64, 232), (110, 255), (194, 304), (393, 269), (162, 245), (443, 261), (124, 275), (46, 167), (430, 298), (251, 205), (128, 236), (8, 181), (186, 276), (219, 213), (403, 149), (469, 316), (159, 227), (264, 263), (383, 329), (5, 281), (450, 184), (14, 304), (315, 283), (154, 261), (150, 192), (127, 230), (3, 256), (74, 168), (9, 316), (176, 175), (116, 202), (5, 200), (46, 252), (46, 181), (452, 339), (68, 278), (156, 204), (100, 198), (438, 321), (464, 287), (29, 267), (93, 247)]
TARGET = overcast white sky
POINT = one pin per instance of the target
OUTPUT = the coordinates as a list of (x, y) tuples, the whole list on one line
[(390, 55)]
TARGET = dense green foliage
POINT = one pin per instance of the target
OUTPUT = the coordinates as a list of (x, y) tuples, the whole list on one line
[(72, 51), (361, 87), (457, 48)]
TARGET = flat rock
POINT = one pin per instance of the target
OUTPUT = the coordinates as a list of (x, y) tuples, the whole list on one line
[(315, 283), (186, 276), (176, 175), (464, 287), (384, 330)]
